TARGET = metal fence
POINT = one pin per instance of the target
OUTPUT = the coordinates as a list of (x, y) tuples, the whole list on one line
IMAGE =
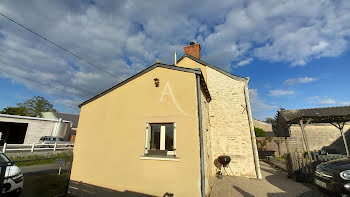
[(35, 147), (50, 179)]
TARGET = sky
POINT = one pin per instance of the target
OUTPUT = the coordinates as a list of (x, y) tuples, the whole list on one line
[(296, 53)]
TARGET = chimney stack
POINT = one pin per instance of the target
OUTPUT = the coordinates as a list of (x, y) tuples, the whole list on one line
[(194, 49)]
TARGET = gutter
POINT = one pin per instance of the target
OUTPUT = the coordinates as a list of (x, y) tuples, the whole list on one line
[(201, 147), (252, 132)]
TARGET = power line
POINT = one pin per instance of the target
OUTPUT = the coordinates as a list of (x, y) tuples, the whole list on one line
[(44, 84), (59, 46), (39, 74)]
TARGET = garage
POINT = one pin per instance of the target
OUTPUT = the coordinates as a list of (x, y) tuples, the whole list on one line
[(12, 132)]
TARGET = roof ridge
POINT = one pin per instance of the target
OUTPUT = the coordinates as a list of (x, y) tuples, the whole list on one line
[(212, 66), (316, 108)]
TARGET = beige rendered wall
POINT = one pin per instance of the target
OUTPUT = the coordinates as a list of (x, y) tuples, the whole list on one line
[(189, 63), (229, 126), (111, 137)]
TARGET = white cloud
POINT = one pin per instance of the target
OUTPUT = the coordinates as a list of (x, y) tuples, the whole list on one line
[(279, 92), (244, 62), (323, 100), (326, 102), (124, 37), (345, 103), (293, 81), (260, 109)]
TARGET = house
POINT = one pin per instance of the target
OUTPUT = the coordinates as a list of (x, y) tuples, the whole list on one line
[(159, 132), (73, 118), (27, 130)]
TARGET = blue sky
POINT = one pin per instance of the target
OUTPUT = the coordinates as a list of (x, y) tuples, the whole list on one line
[(295, 52)]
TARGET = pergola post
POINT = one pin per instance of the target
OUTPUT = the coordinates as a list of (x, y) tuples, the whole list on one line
[(302, 126), (340, 126)]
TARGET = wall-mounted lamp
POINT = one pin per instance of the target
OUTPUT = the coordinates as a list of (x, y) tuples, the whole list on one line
[(156, 82)]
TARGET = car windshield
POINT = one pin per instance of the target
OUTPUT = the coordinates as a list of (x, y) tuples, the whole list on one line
[(3, 158)]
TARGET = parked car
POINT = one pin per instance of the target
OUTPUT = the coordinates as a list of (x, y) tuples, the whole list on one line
[(54, 139), (334, 176), (13, 183)]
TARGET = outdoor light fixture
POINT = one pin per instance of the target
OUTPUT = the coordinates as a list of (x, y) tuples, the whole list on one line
[(156, 82)]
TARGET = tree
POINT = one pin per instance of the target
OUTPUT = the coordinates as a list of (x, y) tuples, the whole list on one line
[(36, 105), (273, 122), (259, 132), (21, 111), (31, 107)]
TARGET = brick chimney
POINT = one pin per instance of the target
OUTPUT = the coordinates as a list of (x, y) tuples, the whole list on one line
[(194, 49)]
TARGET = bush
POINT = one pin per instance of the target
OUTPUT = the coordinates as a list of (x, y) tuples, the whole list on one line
[(259, 132)]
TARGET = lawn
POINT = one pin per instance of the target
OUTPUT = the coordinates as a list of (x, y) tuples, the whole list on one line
[(22, 161), (45, 185)]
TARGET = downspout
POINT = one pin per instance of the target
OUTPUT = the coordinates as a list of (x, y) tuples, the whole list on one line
[(252, 132), (201, 148)]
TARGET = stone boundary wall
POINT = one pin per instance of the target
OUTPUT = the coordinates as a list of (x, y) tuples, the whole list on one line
[(322, 135)]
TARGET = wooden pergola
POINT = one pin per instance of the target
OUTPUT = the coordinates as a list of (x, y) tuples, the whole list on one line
[(337, 116)]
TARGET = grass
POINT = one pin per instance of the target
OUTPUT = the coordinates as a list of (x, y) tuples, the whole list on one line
[(45, 185), (40, 159)]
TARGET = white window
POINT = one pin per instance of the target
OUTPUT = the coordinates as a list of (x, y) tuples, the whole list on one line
[(160, 139)]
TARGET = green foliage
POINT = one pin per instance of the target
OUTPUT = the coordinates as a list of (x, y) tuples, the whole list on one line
[(21, 111), (30, 160), (273, 122), (31, 107), (259, 132)]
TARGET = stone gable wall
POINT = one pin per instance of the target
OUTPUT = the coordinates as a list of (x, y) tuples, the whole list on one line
[(229, 126)]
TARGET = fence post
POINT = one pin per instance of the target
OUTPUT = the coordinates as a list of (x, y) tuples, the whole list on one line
[(4, 148), (54, 148), (32, 147)]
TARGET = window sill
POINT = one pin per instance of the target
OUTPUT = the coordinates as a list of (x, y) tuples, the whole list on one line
[(159, 157)]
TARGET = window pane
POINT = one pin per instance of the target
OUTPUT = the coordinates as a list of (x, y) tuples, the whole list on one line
[(155, 136), (169, 137)]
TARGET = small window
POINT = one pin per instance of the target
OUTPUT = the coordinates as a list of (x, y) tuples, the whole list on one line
[(160, 139)]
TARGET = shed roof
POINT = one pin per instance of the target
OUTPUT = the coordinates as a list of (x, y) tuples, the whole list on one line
[(315, 115), (155, 65), (213, 67)]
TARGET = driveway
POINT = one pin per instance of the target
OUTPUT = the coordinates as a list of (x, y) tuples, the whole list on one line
[(274, 183)]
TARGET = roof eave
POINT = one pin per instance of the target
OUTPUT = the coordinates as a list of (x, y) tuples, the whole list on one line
[(155, 65)]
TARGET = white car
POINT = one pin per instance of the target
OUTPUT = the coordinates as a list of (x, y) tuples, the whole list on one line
[(13, 181)]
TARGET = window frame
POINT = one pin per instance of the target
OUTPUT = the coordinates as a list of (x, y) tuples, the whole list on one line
[(162, 138)]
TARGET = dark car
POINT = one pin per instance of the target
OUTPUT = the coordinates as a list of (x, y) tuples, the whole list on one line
[(334, 176)]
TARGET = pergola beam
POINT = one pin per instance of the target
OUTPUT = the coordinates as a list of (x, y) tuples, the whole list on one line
[(302, 125), (340, 126)]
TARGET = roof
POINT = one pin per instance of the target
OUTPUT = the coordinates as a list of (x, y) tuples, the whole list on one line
[(30, 118), (315, 115), (156, 65), (213, 67), (69, 117)]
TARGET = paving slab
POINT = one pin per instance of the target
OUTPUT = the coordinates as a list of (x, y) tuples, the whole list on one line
[(274, 183)]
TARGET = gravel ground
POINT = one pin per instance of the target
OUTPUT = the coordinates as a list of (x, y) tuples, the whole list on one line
[(274, 183)]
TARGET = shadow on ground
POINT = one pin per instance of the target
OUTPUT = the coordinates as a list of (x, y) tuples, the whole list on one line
[(83, 189)]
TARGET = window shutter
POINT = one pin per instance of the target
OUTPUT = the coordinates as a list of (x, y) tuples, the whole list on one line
[(174, 145), (148, 138)]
